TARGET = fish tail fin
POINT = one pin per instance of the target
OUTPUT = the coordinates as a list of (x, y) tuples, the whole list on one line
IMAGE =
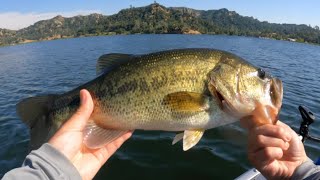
[(34, 112)]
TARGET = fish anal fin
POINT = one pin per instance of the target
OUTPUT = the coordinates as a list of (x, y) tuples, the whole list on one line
[(96, 137), (186, 102), (191, 138)]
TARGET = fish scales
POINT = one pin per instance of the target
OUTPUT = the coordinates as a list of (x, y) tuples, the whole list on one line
[(143, 91), (188, 90)]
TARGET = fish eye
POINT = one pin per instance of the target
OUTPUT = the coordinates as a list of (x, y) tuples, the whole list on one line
[(261, 73)]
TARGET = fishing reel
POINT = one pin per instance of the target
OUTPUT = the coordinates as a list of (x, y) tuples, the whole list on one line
[(307, 119)]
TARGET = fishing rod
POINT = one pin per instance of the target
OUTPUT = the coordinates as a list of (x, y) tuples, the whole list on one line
[(307, 119)]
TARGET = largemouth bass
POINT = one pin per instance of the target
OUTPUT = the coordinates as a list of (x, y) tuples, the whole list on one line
[(187, 90)]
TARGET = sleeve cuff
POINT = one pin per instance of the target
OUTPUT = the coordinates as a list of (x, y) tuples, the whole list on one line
[(60, 165), (305, 170)]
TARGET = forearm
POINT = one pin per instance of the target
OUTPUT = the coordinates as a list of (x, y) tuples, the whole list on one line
[(308, 171), (44, 163)]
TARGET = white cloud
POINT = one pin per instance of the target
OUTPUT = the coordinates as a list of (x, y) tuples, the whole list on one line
[(17, 20)]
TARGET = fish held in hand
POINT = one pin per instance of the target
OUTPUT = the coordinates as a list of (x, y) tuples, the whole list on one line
[(187, 90)]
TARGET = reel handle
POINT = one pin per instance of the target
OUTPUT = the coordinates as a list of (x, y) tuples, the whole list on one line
[(307, 118)]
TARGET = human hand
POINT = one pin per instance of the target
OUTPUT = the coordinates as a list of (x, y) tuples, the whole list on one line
[(69, 140), (275, 150)]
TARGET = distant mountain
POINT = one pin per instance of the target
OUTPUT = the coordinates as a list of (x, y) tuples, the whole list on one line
[(157, 19)]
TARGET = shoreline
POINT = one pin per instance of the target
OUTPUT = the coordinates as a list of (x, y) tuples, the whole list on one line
[(27, 41)]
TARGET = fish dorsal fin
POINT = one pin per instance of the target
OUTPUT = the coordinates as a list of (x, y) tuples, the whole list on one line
[(186, 102), (191, 138), (109, 61)]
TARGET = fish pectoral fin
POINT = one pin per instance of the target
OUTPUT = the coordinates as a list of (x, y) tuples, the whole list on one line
[(96, 137), (191, 138), (177, 138), (186, 101), (109, 61)]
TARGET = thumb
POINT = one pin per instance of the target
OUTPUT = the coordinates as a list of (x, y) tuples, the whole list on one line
[(80, 118)]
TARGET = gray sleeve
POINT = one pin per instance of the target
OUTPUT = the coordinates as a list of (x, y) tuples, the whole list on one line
[(307, 170), (44, 163)]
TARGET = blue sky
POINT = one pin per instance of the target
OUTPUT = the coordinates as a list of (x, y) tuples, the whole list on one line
[(16, 14)]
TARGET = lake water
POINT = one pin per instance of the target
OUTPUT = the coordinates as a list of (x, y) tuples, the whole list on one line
[(60, 65)]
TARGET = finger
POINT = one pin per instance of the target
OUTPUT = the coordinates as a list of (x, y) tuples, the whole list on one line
[(265, 156), (104, 153), (114, 145), (119, 141), (82, 115), (275, 131), (259, 142), (285, 126)]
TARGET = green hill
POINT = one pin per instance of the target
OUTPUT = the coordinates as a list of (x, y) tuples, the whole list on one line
[(157, 19)]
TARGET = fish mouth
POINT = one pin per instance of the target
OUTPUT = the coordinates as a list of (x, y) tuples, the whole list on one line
[(276, 92), (265, 114)]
